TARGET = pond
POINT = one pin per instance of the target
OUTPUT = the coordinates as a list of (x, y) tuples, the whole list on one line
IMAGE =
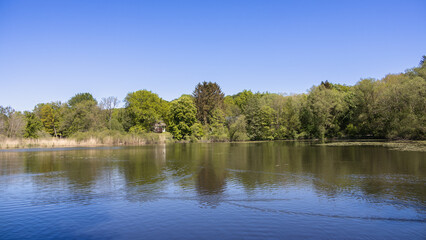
[(257, 190)]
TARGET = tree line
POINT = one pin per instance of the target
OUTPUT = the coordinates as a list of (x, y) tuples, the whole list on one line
[(393, 107)]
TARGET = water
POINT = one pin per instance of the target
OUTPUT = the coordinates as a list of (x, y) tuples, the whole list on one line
[(269, 190)]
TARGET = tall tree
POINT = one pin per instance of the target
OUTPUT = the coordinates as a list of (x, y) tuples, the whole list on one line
[(365, 113), (16, 125), (145, 108), (33, 125), (5, 113), (12, 123), (260, 120), (108, 105), (401, 107), (208, 97), (242, 98), (325, 105), (81, 114), (181, 116), (237, 129), (50, 115)]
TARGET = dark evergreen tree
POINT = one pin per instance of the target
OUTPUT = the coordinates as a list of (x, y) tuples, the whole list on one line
[(208, 97)]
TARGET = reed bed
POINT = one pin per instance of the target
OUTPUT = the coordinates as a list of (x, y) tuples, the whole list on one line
[(86, 140)]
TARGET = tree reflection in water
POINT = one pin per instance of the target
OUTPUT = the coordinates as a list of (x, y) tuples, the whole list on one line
[(205, 171)]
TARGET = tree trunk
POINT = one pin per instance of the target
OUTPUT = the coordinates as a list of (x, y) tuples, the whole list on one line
[(54, 129)]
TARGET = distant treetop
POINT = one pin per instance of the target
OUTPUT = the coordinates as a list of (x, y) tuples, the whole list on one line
[(80, 97)]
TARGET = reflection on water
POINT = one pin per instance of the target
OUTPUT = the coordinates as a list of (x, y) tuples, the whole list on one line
[(222, 190)]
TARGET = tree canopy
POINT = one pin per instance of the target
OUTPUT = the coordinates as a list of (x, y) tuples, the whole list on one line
[(393, 107), (145, 109), (182, 116), (208, 97)]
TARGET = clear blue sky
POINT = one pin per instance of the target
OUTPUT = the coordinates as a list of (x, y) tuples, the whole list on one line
[(51, 50)]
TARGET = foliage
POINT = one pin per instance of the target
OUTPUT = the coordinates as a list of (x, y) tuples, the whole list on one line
[(325, 105), (208, 97), (260, 120), (237, 129), (33, 125), (365, 113), (181, 117), (145, 109), (121, 120), (393, 107), (230, 106), (401, 106), (108, 105), (197, 131), (50, 117), (5, 113), (82, 116), (81, 97), (217, 130), (12, 123), (242, 98)]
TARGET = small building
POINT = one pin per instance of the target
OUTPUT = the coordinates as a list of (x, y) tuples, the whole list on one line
[(159, 127)]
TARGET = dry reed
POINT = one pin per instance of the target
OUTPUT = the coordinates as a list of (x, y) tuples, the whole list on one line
[(86, 140)]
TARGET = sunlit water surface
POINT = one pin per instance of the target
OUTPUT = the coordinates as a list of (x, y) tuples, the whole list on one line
[(269, 190)]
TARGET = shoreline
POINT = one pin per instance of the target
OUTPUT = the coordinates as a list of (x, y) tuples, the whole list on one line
[(398, 145), (48, 143)]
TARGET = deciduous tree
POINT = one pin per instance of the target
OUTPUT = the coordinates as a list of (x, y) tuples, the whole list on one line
[(181, 116), (145, 108)]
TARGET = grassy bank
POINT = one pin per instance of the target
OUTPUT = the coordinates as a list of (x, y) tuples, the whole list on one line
[(88, 139), (405, 145)]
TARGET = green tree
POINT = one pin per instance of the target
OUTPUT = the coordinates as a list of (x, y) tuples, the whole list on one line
[(50, 116), (419, 71), (121, 120), (81, 116), (242, 98), (5, 113), (145, 109), (237, 129), (216, 129), (325, 105), (81, 97), (287, 115), (230, 106), (33, 125), (401, 107), (364, 121), (181, 117), (260, 120)]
